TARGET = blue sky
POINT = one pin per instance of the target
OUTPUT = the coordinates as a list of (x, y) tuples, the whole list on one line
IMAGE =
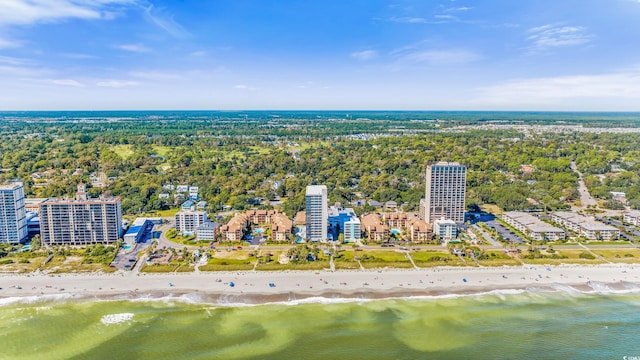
[(320, 54)]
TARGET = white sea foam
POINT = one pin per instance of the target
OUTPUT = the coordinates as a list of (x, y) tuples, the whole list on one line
[(112, 319), (600, 287), (35, 299)]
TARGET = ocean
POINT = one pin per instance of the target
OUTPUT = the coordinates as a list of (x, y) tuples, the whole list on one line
[(527, 324)]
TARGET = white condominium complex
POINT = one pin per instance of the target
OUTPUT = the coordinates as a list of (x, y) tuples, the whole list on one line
[(81, 221), (317, 212), (445, 192), (13, 223), (187, 221)]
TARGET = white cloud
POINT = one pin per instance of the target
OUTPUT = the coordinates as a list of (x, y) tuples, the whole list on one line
[(67, 82), (13, 60), (460, 8), (409, 20), (244, 87), (365, 55), (137, 48), (155, 75), (551, 36), (436, 57), (24, 12), (117, 83), (8, 43), (78, 56), (161, 18), (589, 90)]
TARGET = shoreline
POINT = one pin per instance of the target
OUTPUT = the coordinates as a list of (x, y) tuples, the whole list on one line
[(252, 288)]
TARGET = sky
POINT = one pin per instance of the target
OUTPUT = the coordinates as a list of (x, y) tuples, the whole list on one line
[(528, 55)]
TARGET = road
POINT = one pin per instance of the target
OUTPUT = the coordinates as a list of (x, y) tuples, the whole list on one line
[(486, 236), (164, 242), (585, 198)]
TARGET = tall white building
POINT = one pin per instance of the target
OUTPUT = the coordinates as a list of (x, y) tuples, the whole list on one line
[(187, 221), (13, 223), (445, 192), (317, 212)]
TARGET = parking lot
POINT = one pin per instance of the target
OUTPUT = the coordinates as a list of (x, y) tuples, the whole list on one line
[(506, 233), (126, 259)]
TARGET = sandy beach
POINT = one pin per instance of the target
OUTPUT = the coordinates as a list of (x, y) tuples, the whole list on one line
[(254, 287)]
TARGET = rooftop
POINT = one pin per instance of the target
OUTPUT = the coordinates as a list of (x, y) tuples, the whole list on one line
[(316, 189)]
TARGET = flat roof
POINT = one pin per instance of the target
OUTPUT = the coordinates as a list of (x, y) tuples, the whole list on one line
[(11, 186), (544, 228), (110, 200), (316, 189), (597, 226)]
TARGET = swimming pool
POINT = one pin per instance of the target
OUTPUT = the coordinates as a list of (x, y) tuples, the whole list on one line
[(258, 230), (395, 231)]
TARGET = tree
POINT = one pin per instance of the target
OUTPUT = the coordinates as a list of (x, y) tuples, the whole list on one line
[(36, 242)]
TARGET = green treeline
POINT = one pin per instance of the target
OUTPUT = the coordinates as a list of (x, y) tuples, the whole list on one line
[(234, 161)]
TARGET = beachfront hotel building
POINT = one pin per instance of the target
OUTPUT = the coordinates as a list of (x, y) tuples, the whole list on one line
[(344, 221), (533, 227), (587, 227), (13, 222), (317, 212), (445, 192), (446, 229), (81, 221), (187, 221)]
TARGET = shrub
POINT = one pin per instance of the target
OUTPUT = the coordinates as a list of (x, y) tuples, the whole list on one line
[(586, 255)]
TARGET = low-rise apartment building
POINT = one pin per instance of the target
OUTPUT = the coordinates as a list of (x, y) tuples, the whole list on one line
[(374, 228), (632, 217), (397, 220), (533, 227), (587, 227), (278, 222), (420, 231)]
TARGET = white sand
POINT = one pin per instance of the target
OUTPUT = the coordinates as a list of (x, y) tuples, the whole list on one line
[(368, 284)]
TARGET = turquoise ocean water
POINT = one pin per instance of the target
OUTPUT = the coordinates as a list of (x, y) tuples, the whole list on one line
[(563, 324)]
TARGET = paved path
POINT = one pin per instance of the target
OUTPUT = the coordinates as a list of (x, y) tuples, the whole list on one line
[(411, 259)]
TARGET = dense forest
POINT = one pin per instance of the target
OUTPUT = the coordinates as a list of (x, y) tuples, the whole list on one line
[(236, 160)]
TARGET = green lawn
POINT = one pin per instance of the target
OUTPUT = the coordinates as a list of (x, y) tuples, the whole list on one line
[(228, 264), (123, 150), (162, 150), (159, 268), (629, 255), (498, 258)]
